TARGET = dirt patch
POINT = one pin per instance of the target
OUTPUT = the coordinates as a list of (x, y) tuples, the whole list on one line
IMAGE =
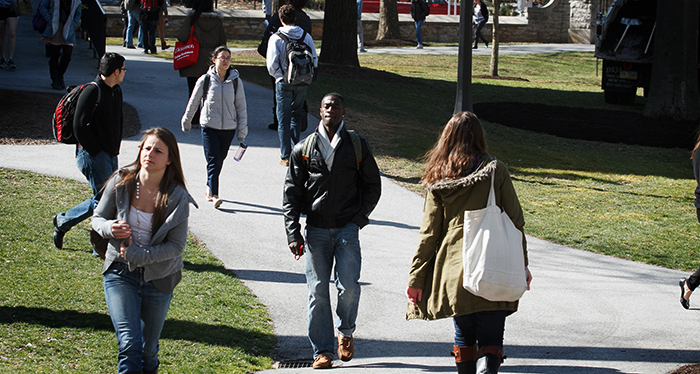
[(27, 117), (688, 369)]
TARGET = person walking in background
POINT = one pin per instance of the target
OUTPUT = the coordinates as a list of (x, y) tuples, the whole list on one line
[(133, 8), (303, 21), (144, 214), (62, 17), (419, 11), (481, 16), (98, 127), (162, 20), (150, 13), (360, 31), (224, 111), (209, 30), (337, 189), (689, 285), (290, 99), (457, 177), (8, 34)]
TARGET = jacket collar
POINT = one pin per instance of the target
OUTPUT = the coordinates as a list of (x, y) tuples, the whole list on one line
[(480, 174)]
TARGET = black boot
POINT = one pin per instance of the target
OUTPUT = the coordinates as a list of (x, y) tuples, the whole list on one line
[(154, 371), (465, 359), (490, 359)]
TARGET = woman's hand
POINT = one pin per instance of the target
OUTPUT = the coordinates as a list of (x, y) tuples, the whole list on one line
[(414, 294), (123, 246), (528, 277), (121, 230)]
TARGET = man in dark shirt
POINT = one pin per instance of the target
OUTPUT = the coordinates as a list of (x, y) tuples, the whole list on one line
[(333, 179), (98, 126)]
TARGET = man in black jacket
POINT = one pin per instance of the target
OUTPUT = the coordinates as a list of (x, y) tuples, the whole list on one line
[(98, 126), (337, 189)]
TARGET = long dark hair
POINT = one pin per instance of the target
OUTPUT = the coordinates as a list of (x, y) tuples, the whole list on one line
[(173, 173), (461, 141)]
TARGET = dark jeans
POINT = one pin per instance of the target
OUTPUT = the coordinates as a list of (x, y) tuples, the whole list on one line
[(59, 59), (216, 144), (149, 35), (478, 33), (485, 328)]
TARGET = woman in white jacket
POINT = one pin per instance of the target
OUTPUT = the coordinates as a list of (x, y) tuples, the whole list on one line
[(223, 111)]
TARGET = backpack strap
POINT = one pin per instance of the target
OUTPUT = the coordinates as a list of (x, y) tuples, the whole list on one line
[(283, 37), (357, 146), (207, 82), (310, 141)]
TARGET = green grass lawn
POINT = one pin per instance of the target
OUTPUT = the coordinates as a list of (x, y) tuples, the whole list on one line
[(53, 316)]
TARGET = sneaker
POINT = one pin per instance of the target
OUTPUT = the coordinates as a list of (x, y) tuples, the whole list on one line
[(322, 361), (130, 47), (217, 201), (346, 347), (363, 50), (57, 234), (207, 195), (419, 46), (272, 126), (2, 63), (284, 162)]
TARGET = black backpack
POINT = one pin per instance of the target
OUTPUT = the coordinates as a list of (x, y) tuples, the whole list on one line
[(300, 62), (62, 124)]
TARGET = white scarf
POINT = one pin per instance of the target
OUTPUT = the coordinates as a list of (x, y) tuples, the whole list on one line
[(326, 146)]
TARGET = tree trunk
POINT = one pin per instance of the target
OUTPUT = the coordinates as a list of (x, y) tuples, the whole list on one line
[(388, 20), (493, 70), (340, 33), (463, 99), (276, 4), (673, 92)]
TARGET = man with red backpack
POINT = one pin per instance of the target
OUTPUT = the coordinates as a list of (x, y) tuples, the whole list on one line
[(98, 126)]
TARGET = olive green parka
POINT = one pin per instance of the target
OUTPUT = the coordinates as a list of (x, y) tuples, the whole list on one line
[(437, 267)]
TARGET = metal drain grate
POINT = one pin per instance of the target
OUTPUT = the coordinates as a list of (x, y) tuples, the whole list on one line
[(294, 364)]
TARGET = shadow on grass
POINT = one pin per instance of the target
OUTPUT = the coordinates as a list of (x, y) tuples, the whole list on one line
[(220, 335), (573, 177)]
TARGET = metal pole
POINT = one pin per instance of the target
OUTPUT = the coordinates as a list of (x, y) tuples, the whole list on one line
[(463, 101)]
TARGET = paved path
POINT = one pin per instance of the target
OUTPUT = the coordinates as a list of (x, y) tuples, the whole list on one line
[(586, 313)]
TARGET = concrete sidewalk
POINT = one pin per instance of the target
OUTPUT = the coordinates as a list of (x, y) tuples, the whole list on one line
[(586, 313)]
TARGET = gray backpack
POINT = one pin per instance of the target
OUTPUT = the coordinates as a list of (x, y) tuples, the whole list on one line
[(300, 61)]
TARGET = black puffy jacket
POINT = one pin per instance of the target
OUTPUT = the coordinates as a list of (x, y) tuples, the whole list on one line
[(330, 199)]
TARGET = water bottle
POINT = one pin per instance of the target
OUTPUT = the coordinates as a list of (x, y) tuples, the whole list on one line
[(240, 151)]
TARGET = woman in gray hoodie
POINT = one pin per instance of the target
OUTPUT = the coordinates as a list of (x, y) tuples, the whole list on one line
[(223, 112)]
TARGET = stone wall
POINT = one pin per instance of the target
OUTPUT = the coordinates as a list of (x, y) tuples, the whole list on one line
[(559, 21)]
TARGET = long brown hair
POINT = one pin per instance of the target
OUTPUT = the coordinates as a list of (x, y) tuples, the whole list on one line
[(461, 140), (173, 173)]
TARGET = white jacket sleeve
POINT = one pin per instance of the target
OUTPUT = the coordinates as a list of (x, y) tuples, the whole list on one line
[(192, 105)]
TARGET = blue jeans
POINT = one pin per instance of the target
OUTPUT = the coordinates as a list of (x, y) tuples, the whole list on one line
[(216, 144), (419, 34), (138, 311), (486, 328), (134, 19), (322, 247), (97, 170), (290, 103)]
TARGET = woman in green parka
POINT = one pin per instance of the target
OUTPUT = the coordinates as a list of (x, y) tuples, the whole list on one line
[(457, 178)]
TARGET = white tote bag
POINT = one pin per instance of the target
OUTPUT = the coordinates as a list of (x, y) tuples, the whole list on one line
[(494, 264)]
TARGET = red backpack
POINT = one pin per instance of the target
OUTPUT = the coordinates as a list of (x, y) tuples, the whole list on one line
[(62, 124), (149, 6)]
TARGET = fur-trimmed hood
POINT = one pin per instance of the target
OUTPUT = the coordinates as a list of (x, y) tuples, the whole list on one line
[(485, 170)]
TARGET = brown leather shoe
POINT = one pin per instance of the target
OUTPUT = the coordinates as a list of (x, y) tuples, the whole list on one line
[(346, 348), (322, 361)]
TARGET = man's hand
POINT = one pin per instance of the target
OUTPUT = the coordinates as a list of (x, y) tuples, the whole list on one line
[(297, 248)]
